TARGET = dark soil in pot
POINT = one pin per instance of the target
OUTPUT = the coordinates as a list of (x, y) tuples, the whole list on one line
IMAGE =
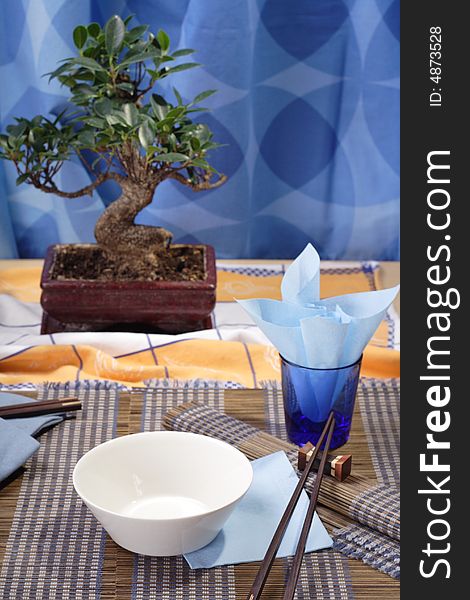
[(179, 263)]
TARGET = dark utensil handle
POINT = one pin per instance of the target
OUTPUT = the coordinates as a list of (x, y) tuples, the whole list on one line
[(265, 567), (27, 410), (299, 553)]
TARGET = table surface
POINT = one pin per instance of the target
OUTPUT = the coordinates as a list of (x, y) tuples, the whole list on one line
[(249, 406), (367, 583)]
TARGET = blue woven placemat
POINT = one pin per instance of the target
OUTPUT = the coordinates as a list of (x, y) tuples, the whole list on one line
[(56, 549), (55, 546)]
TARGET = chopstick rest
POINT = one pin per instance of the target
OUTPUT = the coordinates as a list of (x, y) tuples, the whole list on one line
[(265, 567), (338, 466), (41, 407)]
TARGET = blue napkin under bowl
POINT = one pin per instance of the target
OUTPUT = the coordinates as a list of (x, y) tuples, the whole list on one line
[(249, 530)]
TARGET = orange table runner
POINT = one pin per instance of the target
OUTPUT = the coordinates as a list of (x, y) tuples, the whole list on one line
[(234, 351)]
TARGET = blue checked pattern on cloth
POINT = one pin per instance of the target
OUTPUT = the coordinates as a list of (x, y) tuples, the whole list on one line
[(254, 271), (308, 106)]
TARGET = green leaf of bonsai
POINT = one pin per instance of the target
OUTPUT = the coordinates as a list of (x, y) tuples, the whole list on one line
[(176, 112), (183, 67), (62, 69), (159, 99), (172, 141), (200, 162), (114, 32), (172, 157), (163, 40), (115, 120), (95, 122), (22, 178), (86, 138), (127, 87), (88, 63), (183, 52), (135, 33), (131, 114), (159, 106), (80, 35), (140, 57), (17, 130), (94, 30), (195, 144), (203, 95), (178, 96), (146, 135), (103, 107)]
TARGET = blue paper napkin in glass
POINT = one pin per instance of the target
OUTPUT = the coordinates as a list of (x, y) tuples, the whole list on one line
[(315, 333), (250, 528), (16, 441)]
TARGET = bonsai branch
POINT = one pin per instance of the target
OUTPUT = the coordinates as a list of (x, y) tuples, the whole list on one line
[(51, 188), (104, 156), (204, 184)]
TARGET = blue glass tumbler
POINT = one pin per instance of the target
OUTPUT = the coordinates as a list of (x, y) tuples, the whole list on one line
[(310, 395)]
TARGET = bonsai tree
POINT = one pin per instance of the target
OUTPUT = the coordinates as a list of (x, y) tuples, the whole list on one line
[(121, 131)]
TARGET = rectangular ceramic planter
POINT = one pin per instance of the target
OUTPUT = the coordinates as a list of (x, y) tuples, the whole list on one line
[(166, 306)]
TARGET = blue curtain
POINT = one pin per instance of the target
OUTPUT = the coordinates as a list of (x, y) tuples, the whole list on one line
[(308, 106)]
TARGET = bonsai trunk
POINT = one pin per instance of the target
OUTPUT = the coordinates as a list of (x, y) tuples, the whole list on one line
[(127, 245)]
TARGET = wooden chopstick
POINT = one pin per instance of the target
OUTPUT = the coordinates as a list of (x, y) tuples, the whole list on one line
[(299, 553), (37, 403), (42, 407), (265, 567)]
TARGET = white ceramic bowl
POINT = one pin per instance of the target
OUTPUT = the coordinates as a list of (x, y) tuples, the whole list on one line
[(162, 493)]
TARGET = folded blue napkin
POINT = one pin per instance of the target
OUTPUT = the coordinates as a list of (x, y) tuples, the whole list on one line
[(247, 533), (320, 334), (16, 441)]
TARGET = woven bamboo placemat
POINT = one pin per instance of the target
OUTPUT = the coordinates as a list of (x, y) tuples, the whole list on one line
[(117, 566), (367, 583)]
